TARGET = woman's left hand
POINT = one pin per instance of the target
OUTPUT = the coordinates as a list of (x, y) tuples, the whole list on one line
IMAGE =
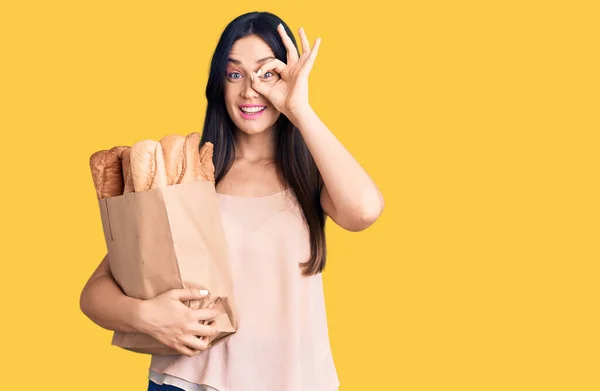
[(289, 94)]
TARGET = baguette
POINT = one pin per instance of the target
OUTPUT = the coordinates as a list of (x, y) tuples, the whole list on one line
[(106, 172), (97, 162), (148, 166), (173, 147), (205, 169), (126, 166), (114, 182), (192, 143)]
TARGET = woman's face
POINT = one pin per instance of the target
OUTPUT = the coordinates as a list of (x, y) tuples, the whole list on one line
[(250, 111)]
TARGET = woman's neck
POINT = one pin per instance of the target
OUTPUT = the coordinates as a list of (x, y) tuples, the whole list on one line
[(255, 147)]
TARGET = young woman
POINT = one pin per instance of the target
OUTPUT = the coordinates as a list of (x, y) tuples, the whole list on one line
[(279, 173)]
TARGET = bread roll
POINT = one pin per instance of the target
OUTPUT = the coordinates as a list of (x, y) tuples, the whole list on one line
[(97, 166), (192, 144), (147, 166), (119, 150), (126, 167), (205, 169), (106, 172), (113, 174), (173, 147)]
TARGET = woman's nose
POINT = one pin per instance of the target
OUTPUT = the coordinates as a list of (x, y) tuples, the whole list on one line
[(248, 91)]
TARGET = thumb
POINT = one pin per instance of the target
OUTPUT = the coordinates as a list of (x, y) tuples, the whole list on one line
[(258, 85), (185, 294)]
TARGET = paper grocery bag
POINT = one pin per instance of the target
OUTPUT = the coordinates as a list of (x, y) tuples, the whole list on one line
[(165, 238)]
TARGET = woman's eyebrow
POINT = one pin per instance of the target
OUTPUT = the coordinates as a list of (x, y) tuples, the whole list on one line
[(238, 62)]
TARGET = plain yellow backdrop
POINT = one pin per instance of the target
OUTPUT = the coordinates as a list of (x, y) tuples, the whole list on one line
[(478, 120)]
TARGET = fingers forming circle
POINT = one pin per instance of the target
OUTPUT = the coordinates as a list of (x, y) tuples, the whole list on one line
[(310, 60), (258, 85), (304, 40), (272, 65), (292, 53)]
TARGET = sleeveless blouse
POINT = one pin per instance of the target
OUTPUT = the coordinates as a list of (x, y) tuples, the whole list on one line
[(282, 341)]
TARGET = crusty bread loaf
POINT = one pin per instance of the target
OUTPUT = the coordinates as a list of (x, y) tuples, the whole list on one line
[(192, 144), (119, 150), (199, 161), (147, 165), (113, 174), (106, 172), (97, 166), (205, 169), (173, 147), (126, 167), (150, 164)]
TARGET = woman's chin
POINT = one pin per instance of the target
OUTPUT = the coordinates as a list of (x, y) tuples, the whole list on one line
[(254, 127), (247, 131), (251, 130)]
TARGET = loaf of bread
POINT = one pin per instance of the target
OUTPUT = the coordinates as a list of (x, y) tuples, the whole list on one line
[(148, 166), (126, 166), (192, 144), (173, 147), (106, 170), (97, 166), (205, 169), (185, 162)]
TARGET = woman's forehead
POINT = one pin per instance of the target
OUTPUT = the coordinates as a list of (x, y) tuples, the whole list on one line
[(250, 50)]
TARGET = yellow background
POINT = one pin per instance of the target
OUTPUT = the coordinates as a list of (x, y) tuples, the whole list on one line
[(478, 120)]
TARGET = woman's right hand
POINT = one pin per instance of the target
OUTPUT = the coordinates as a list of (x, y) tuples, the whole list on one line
[(174, 324)]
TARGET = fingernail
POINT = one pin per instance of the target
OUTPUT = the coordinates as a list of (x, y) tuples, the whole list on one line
[(203, 292), (259, 72)]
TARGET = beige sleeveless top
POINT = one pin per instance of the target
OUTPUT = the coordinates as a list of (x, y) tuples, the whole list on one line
[(282, 342)]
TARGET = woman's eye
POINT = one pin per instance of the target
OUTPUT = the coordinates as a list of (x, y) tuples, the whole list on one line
[(268, 73), (234, 75)]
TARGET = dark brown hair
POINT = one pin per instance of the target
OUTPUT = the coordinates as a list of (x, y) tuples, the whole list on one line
[(295, 165)]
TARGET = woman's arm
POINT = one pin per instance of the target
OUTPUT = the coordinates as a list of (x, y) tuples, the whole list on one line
[(105, 303), (350, 197), (163, 317)]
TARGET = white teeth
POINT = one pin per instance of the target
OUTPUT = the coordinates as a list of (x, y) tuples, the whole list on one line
[(252, 109)]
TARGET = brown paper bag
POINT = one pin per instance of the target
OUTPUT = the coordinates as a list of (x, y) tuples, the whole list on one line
[(165, 238)]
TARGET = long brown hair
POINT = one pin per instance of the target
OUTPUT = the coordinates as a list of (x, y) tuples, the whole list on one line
[(295, 165)]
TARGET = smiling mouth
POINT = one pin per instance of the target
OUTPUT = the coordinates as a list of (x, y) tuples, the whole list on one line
[(252, 110)]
